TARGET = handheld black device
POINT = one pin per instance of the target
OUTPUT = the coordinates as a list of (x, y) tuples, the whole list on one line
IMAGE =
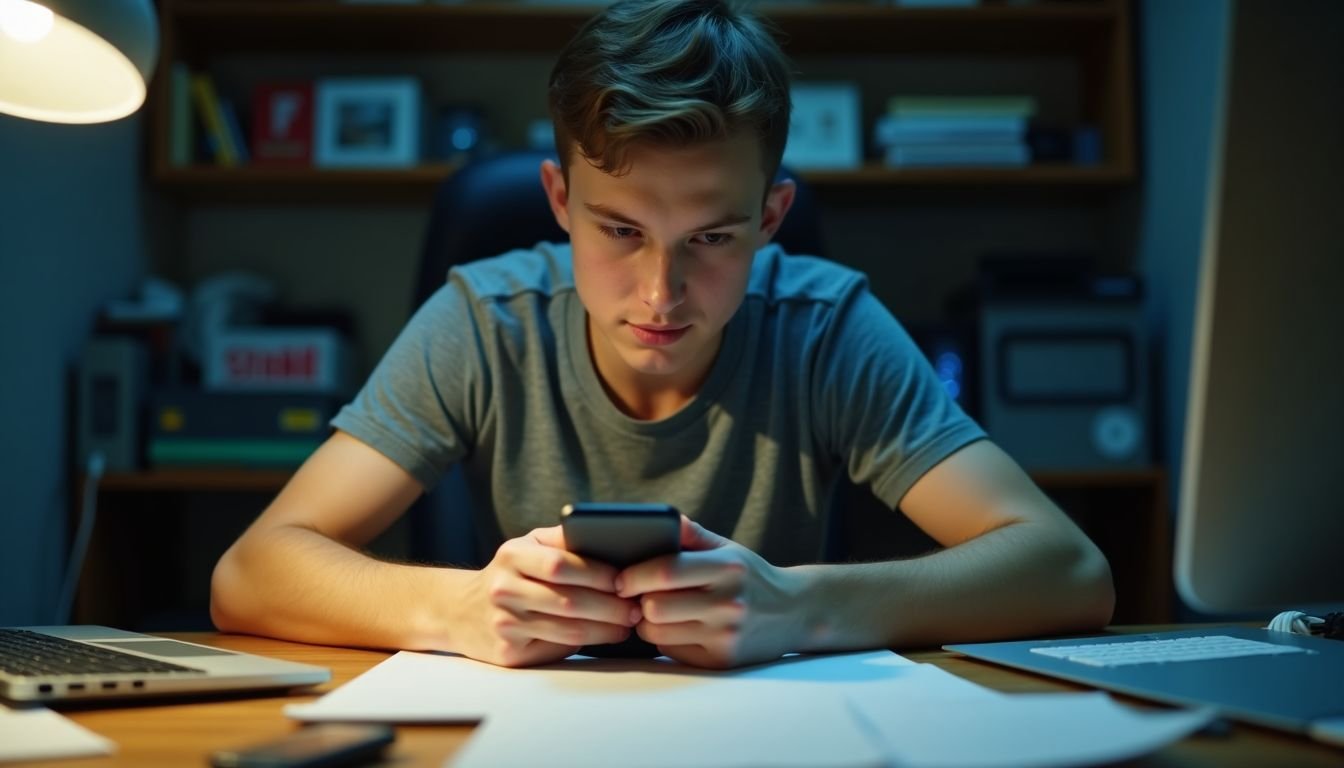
[(622, 535), (327, 745)]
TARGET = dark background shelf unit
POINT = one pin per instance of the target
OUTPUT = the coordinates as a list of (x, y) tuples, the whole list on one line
[(917, 233), (1094, 36), (352, 238)]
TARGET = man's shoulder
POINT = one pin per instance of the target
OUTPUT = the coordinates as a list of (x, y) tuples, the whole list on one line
[(545, 269), (778, 277)]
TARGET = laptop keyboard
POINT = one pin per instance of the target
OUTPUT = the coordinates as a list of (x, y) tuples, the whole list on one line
[(1164, 651), (30, 654)]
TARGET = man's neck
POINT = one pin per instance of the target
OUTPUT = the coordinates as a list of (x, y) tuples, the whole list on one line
[(645, 397)]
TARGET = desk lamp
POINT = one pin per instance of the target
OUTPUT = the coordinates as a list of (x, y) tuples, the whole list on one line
[(75, 61)]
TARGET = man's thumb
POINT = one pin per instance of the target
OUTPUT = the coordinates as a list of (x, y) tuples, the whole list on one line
[(697, 537)]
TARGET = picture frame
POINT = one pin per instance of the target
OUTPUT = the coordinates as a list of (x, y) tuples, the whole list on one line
[(367, 122), (825, 130)]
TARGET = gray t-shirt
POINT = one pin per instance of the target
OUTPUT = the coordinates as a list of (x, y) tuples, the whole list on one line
[(814, 378)]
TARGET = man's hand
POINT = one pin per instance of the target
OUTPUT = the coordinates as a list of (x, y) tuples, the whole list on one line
[(537, 603), (717, 604)]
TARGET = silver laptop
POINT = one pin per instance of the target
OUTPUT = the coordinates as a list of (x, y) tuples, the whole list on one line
[(1275, 679), (1259, 524), (51, 664)]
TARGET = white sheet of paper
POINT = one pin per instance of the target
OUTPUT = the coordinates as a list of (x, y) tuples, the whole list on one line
[(1040, 730), (733, 728), (39, 733), (426, 687)]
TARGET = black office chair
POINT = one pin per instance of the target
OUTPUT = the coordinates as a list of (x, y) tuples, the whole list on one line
[(496, 204)]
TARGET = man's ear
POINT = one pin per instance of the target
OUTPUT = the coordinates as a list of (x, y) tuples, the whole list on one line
[(557, 192), (778, 201)]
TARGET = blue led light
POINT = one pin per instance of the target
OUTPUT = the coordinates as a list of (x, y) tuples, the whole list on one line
[(949, 363)]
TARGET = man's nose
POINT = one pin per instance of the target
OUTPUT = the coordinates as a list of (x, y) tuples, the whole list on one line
[(662, 286)]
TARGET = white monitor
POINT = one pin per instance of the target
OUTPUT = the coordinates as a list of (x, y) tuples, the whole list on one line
[(1260, 525)]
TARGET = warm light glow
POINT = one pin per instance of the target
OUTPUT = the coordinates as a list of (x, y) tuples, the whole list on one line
[(24, 21), (71, 75)]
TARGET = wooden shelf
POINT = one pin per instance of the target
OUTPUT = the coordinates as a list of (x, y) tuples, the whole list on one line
[(1092, 33), (1047, 175), (196, 479), (260, 185), (243, 479), (1148, 477), (322, 25)]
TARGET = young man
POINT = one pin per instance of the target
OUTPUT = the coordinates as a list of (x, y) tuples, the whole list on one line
[(666, 354)]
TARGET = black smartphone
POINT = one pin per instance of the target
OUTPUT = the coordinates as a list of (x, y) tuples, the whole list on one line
[(327, 745), (621, 534)]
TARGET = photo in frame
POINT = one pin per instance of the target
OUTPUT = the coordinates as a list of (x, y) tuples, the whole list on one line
[(367, 122), (825, 130)]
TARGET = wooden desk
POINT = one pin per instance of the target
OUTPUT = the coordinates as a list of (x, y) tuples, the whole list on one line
[(184, 733)]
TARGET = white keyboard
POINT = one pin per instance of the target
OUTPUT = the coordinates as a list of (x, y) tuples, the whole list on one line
[(1119, 654)]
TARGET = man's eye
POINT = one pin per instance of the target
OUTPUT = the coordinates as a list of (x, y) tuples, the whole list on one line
[(715, 238), (619, 233)]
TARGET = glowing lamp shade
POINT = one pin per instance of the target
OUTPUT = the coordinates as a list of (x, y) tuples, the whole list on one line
[(76, 61)]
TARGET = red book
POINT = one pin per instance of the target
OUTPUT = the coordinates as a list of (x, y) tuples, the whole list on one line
[(282, 123)]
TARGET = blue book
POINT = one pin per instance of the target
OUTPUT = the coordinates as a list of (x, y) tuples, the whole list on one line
[(957, 129), (235, 129)]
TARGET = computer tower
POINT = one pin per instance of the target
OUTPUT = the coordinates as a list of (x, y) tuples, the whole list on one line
[(111, 392), (1066, 382)]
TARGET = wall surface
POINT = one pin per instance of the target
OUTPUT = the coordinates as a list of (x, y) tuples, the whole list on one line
[(71, 237)]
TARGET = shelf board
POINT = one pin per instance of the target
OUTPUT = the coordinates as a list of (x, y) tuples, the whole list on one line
[(303, 185), (272, 480), (197, 479), (1059, 480), (1044, 175), (318, 25), (417, 185)]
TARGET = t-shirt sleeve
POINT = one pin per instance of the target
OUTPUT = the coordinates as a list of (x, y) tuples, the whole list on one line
[(883, 411), (425, 402)]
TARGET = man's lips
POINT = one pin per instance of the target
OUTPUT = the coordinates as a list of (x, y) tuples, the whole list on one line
[(658, 335)]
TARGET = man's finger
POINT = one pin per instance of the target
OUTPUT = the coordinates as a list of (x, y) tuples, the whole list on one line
[(569, 602), (689, 570), (695, 655), (572, 633), (683, 633), (692, 605), (544, 562)]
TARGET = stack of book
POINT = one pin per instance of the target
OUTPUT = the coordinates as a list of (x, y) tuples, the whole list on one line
[(956, 131), (194, 428), (267, 395)]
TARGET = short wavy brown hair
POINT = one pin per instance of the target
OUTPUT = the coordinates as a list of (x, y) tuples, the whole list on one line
[(672, 73)]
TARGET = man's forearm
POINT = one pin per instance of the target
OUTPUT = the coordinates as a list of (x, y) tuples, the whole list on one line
[(1008, 582), (294, 583)]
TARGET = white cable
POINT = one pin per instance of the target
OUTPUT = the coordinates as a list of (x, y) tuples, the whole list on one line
[(1295, 622), (88, 510)]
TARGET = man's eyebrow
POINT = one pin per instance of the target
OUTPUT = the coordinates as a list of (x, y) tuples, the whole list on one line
[(605, 212), (598, 209)]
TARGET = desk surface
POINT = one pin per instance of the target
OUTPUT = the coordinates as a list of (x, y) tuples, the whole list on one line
[(185, 733)]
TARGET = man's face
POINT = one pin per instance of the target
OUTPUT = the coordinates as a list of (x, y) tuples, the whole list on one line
[(662, 253)]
